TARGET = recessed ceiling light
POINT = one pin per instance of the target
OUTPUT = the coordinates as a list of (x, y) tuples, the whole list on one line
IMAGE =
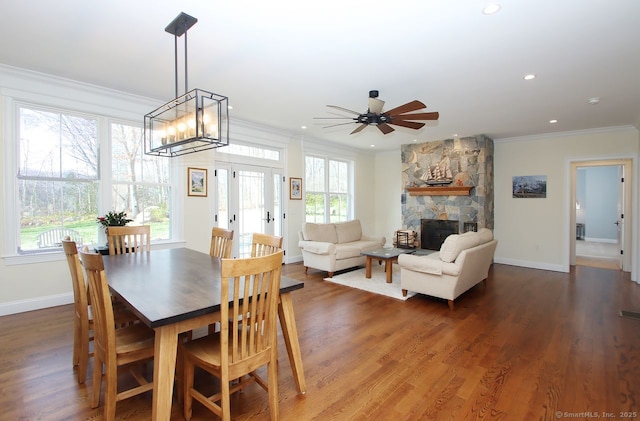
[(530, 76), (373, 146), (303, 127), (553, 121), (594, 100), (491, 9)]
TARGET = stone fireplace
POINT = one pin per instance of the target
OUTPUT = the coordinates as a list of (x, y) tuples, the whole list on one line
[(468, 201)]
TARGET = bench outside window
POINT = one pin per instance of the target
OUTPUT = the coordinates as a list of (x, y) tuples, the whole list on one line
[(52, 238)]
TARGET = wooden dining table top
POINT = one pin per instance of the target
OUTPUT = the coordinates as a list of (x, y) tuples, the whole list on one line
[(170, 285)]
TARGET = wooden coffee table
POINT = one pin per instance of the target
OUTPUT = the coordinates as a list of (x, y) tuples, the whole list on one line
[(388, 255)]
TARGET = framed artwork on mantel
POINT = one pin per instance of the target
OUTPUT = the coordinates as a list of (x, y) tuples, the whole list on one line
[(295, 188), (197, 182)]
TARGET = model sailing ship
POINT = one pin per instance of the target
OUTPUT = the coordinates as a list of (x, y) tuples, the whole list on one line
[(435, 176)]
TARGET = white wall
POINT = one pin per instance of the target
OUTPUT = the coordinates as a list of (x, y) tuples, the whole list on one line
[(388, 188), (535, 232)]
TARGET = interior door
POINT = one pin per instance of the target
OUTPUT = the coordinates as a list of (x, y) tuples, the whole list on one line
[(620, 220), (251, 201)]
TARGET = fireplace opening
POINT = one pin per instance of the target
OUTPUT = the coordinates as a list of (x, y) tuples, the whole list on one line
[(434, 231)]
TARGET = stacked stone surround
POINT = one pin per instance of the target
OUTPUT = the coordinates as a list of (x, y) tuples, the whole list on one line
[(471, 162)]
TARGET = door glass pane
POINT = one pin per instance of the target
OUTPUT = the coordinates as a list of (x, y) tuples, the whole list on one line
[(223, 198), (251, 185), (277, 200)]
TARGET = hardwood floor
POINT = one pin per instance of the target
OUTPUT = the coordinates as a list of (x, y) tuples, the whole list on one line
[(525, 345)]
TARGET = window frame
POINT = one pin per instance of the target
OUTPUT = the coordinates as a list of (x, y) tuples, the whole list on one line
[(12, 100), (327, 192)]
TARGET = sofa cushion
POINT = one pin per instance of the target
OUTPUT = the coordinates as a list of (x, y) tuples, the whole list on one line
[(455, 243), (348, 250), (321, 232), (348, 231)]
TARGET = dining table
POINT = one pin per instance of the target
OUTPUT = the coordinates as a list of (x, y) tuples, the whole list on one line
[(178, 290)]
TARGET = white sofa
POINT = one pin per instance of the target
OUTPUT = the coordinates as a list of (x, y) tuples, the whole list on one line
[(334, 247), (462, 262)]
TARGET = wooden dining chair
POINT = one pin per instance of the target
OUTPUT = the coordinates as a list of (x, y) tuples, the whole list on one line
[(240, 348), (221, 242), (82, 320), (113, 347), (83, 317), (129, 239), (263, 244)]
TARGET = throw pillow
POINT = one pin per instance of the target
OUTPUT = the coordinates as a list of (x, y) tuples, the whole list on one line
[(349, 231), (455, 243), (321, 232)]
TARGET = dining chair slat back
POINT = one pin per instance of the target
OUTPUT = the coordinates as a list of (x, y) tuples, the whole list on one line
[(221, 243), (113, 347), (247, 337), (129, 239), (264, 244), (82, 320)]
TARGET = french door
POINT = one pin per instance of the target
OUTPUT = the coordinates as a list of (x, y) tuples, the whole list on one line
[(249, 199)]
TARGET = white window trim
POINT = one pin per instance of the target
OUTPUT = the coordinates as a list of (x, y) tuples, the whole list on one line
[(32, 88)]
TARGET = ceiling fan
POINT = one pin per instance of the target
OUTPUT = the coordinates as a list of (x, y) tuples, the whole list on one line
[(399, 116)]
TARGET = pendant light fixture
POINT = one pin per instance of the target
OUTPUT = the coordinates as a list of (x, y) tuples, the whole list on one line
[(195, 121)]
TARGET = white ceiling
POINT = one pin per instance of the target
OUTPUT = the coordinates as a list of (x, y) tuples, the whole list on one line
[(281, 62)]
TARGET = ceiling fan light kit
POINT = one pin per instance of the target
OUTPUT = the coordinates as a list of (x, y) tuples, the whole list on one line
[(375, 116), (196, 121)]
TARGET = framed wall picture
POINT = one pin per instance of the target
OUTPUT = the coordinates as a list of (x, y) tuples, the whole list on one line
[(530, 186), (197, 182), (295, 188)]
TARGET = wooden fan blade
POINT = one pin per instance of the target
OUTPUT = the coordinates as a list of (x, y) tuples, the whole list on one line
[(359, 128), (417, 116), (343, 109), (385, 128), (375, 105), (406, 108), (409, 124)]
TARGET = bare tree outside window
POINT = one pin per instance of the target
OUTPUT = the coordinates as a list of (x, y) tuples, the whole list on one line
[(59, 178)]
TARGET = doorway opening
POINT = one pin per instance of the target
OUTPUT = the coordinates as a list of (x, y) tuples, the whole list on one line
[(600, 235)]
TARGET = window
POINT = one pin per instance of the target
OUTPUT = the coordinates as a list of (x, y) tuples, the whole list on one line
[(61, 172), (327, 192), (57, 174), (140, 182)]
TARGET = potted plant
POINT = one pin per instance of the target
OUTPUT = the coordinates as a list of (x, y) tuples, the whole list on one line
[(113, 219)]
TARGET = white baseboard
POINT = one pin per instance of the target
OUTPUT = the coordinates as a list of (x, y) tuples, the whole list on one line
[(531, 265), (601, 240), (293, 259), (38, 303)]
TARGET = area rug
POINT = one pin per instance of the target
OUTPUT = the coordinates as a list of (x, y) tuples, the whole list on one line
[(376, 284)]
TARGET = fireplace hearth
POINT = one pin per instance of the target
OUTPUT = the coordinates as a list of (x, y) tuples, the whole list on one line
[(434, 231)]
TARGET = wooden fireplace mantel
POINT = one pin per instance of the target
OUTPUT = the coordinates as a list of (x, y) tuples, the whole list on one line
[(440, 191)]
